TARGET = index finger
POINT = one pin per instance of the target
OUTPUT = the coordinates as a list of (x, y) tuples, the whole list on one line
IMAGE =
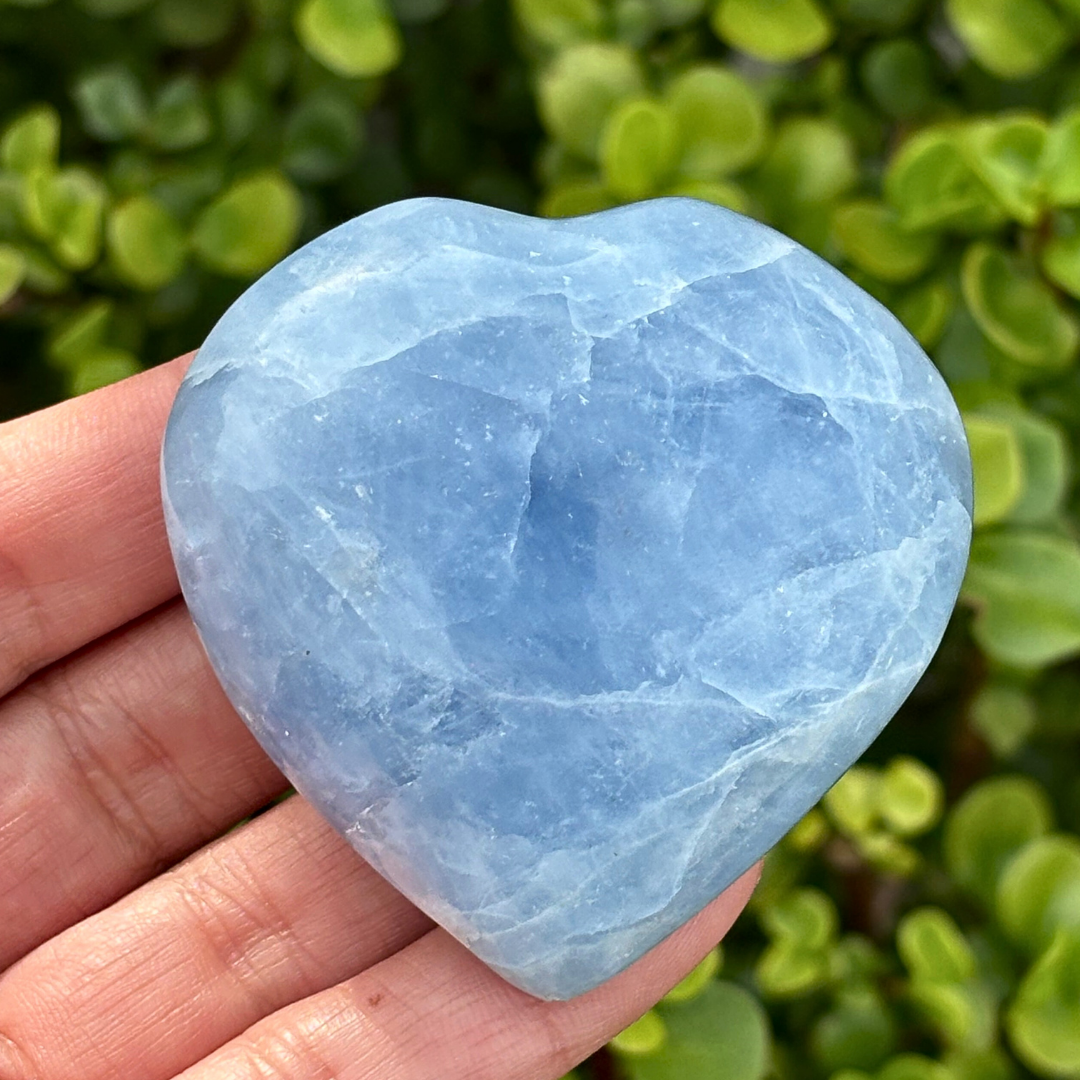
[(82, 537)]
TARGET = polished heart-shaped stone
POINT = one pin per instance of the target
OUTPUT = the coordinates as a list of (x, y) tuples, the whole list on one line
[(563, 565)]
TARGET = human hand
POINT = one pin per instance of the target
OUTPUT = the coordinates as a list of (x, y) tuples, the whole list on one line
[(272, 952)]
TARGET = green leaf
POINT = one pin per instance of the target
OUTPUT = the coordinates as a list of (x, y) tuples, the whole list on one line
[(31, 141), (872, 237), (898, 76), (146, 245), (42, 275), (778, 31), (1060, 165), (933, 948), (1043, 1021), (811, 161), (988, 826), (12, 271), (193, 24), (925, 311), (855, 958), (932, 185), (80, 334), (786, 969), (1016, 310), (722, 123), (696, 982), (352, 38), (910, 797), (249, 227), (1007, 153), (181, 118), (572, 198), (1045, 452), (857, 1033), (65, 208), (963, 1014), (852, 802), (322, 136), (990, 1064), (1038, 893), (111, 103), (1025, 587), (720, 192), (1061, 255), (1013, 39), (644, 1036), (101, 368), (580, 90), (560, 22), (885, 852), (638, 148), (240, 108), (998, 465), (1004, 716), (722, 1034), (810, 832), (913, 1067), (806, 915)]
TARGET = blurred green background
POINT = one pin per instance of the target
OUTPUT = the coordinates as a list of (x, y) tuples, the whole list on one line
[(156, 155)]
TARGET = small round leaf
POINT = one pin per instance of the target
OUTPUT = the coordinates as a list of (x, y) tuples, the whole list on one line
[(638, 148), (933, 948), (560, 22), (1016, 310), (111, 103), (581, 89), (872, 237), (722, 123), (910, 797), (146, 245), (1044, 1020), (1025, 587), (1013, 39), (998, 465), (988, 826), (1004, 716), (1007, 153), (352, 38), (722, 1034), (249, 227), (778, 31), (1060, 165), (1039, 891), (31, 141), (644, 1036), (932, 185)]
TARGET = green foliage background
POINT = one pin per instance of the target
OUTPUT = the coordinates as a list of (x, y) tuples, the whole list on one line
[(924, 922)]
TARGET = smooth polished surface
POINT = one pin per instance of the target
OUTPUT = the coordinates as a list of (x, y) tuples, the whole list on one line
[(564, 564)]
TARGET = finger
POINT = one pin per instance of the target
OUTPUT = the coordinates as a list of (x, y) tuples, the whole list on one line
[(114, 765), (82, 538), (434, 1010), (275, 911)]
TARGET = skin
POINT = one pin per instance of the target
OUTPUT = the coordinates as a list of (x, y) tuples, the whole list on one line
[(139, 937)]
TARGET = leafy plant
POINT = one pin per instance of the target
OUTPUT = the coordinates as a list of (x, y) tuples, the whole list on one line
[(156, 155)]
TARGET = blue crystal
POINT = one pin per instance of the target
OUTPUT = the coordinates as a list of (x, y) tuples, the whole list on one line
[(564, 564)]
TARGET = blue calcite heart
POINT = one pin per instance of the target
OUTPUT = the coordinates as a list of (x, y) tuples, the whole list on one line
[(564, 564)]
